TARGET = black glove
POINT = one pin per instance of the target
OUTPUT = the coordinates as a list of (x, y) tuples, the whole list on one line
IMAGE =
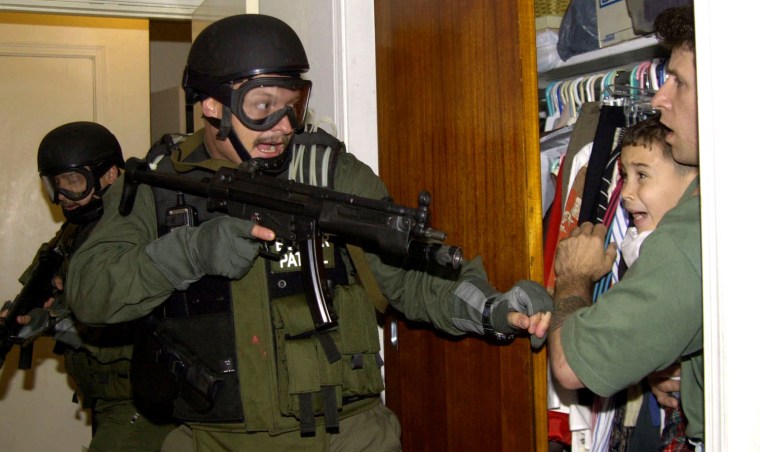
[(223, 246)]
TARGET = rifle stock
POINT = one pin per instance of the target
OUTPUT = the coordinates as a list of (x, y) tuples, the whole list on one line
[(299, 214)]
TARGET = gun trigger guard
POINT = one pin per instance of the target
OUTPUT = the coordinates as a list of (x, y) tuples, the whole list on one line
[(267, 252)]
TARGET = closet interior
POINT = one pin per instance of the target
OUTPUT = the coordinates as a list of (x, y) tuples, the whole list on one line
[(586, 102)]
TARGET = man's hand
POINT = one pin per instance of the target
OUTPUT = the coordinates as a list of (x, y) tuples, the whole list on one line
[(664, 383), (262, 233), (537, 324), (582, 259), (583, 255), (529, 308), (223, 246), (26, 319)]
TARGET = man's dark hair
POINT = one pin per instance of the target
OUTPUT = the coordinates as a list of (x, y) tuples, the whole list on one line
[(674, 28)]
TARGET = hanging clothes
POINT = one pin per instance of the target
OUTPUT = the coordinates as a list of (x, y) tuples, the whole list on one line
[(589, 190)]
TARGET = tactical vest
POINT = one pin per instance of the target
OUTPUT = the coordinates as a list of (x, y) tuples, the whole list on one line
[(314, 374)]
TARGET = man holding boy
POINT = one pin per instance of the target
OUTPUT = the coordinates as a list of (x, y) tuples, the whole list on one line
[(653, 317)]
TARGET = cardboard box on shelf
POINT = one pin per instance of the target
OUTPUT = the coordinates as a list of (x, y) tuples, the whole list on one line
[(613, 22)]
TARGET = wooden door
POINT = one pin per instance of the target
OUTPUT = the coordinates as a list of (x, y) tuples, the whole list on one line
[(458, 115)]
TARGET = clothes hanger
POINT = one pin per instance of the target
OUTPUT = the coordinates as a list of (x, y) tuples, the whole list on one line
[(576, 96), (636, 102), (643, 81), (596, 92), (633, 79), (654, 83), (551, 106), (640, 75)]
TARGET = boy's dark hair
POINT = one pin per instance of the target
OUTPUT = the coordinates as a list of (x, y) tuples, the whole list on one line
[(674, 28), (646, 133), (651, 134)]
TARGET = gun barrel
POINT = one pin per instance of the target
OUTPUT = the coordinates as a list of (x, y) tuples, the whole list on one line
[(438, 253)]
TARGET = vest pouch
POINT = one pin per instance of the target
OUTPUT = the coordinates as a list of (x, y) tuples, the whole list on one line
[(203, 386), (358, 341), (98, 381), (211, 338), (302, 365)]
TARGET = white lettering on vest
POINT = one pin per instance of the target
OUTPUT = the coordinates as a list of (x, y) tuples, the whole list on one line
[(292, 259)]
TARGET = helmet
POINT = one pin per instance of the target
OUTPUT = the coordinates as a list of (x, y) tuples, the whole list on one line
[(265, 56), (239, 47), (72, 158), (76, 145)]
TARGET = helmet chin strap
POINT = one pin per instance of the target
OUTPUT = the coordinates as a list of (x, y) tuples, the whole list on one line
[(91, 211), (85, 214), (227, 132)]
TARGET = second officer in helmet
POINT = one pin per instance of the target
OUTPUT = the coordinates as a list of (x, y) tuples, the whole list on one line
[(77, 163)]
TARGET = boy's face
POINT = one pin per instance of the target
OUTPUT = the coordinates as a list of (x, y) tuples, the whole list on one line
[(651, 184)]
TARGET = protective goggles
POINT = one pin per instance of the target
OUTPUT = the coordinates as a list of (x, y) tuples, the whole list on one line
[(75, 184), (260, 103)]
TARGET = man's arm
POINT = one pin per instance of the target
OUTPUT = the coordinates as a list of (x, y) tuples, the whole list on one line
[(561, 371), (453, 304), (110, 279), (123, 271), (581, 259)]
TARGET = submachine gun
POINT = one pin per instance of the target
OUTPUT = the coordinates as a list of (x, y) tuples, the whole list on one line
[(37, 290), (300, 214)]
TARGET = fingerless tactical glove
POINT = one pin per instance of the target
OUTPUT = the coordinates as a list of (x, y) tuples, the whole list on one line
[(479, 308), (223, 246), (526, 297)]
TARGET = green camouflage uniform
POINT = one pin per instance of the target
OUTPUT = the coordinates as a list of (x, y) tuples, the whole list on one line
[(273, 371), (100, 369)]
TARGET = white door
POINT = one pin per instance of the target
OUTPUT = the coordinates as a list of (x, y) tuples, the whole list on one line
[(54, 70)]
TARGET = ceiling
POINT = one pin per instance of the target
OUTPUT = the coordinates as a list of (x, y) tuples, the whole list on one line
[(152, 9)]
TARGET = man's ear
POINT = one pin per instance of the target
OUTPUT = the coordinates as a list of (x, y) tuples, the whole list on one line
[(211, 108), (110, 176)]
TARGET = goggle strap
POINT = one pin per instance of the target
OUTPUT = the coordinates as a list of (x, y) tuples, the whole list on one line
[(238, 146), (100, 169), (225, 125), (202, 83)]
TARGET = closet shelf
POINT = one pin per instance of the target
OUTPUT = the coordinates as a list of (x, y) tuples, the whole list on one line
[(624, 53)]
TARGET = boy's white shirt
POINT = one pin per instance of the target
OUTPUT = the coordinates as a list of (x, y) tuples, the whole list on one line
[(631, 244)]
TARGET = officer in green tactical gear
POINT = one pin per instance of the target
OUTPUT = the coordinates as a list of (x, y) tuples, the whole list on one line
[(229, 336), (77, 162)]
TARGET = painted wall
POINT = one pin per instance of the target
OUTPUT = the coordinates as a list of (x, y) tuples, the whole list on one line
[(54, 70)]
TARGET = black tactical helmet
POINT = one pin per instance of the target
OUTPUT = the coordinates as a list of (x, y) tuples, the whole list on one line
[(240, 49), (76, 145), (71, 160), (242, 46)]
